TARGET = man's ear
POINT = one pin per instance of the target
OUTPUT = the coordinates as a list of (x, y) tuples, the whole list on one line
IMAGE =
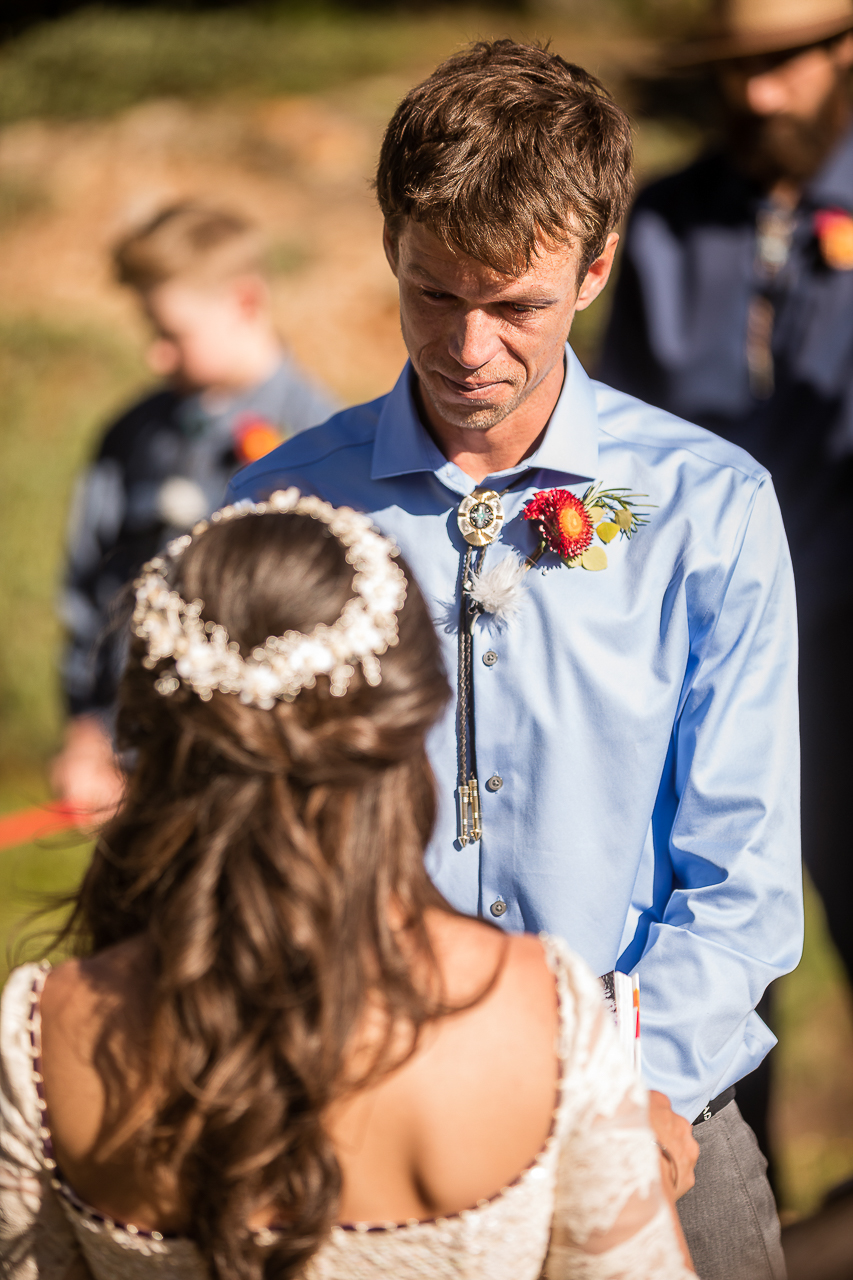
[(391, 245), (598, 274)]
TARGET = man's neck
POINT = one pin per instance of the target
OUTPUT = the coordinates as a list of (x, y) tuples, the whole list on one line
[(481, 453)]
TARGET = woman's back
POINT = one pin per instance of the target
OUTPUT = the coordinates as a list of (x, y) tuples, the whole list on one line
[(423, 1153), (457, 1121)]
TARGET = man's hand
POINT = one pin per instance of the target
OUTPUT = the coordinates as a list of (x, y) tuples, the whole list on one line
[(679, 1149), (85, 773)]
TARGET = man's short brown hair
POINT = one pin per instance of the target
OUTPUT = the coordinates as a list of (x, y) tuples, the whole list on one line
[(505, 146), (189, 241)]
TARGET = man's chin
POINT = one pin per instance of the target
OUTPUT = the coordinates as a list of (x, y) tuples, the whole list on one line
[(476, 420), (473, 417)]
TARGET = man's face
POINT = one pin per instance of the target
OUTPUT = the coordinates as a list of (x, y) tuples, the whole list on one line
[(787, 110), (483, 344)]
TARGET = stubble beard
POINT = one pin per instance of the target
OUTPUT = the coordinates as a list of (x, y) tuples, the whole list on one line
[(477, 418)]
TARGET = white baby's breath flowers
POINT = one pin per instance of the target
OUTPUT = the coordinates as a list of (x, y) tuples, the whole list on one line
[(205, 657)]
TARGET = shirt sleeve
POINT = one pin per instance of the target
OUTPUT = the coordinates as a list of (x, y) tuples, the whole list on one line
[(612, 1220), (727, 816)]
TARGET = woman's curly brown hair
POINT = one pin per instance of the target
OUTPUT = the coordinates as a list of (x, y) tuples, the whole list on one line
[(257, 852)]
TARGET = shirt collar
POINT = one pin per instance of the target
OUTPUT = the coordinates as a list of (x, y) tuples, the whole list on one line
[(402, 445), (833, 183)]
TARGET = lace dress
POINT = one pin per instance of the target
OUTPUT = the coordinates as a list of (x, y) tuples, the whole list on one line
[(589, 1207)]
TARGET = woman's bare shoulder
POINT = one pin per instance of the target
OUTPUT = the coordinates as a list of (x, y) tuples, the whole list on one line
[(85, 991), (92, 1016), (508, 1011), (472, 954), (496, 1057)]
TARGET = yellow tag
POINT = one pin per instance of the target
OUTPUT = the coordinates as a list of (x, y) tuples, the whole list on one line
[(607, 530), (594, 558), (624, 519)]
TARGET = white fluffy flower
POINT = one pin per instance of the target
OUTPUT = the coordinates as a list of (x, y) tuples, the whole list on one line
[(501, 590)]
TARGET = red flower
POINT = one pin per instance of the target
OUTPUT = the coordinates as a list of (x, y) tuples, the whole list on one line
[(563, 521)]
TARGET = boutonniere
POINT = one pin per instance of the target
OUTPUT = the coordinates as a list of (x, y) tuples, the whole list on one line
[(834, 231), (568, 525)]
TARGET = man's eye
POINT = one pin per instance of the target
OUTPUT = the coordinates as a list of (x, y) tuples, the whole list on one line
[(434, 295)]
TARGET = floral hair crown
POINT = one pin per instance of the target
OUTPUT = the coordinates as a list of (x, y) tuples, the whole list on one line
[(205, 658)]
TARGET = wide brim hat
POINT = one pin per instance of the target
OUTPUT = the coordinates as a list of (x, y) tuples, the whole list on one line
[(744, 28)]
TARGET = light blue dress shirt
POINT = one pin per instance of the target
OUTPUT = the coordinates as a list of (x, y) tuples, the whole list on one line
[(643, 718)]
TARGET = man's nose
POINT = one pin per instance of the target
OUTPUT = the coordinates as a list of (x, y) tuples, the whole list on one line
[(766, 94), (474, 339)]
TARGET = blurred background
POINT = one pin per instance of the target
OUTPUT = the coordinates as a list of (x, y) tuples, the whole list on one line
[(108, 113)]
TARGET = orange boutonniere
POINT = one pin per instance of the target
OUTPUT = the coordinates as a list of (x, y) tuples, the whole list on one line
[(834, 231), (568, 524), (254, 437)]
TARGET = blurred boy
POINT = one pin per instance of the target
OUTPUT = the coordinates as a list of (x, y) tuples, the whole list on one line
[(231, 394)]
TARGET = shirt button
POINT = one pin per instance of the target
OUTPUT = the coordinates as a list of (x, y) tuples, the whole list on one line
[(495, 783), (498, 908), (490, 657)]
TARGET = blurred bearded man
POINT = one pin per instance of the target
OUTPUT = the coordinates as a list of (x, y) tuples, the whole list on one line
[(734, 309)]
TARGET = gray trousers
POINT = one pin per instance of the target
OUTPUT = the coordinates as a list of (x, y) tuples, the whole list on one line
[(729, 1217)]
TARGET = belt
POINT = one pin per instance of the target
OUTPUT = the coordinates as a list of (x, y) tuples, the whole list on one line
[(716, 1104)]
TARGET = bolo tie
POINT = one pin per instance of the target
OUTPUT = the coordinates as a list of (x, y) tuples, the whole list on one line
[(480, 517), (774, 234)]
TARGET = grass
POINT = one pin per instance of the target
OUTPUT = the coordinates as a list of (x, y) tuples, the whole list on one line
[(98, 61), (33, 874), (813, 1082)]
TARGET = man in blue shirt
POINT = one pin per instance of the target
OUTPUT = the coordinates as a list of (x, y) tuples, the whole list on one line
[(621, 765)]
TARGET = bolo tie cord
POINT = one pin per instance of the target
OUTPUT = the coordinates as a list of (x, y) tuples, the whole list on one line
[(470, 828), (470, 821)]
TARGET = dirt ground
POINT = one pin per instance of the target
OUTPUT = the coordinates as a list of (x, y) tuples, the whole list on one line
[(300, 167)]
